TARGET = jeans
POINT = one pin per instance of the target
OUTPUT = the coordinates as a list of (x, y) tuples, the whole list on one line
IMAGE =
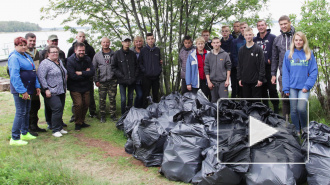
[(148, 84), (269, 89), (56, 104), (138, 97), (234, 82), (298, 108), (122, 88), (183, 86), (21, 120)]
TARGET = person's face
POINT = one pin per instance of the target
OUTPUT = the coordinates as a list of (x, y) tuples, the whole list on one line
[(150, 40), (242, 28), (80, 51), (21, 48), (200, 46), (31, 42), (80, 37), (105, 43), (248, 36), (126, 44), (52, 42), (53, 54), (138, 43), (216, 44), (236, 27), (187, 43), (262, 27), (285, 26), (298, 42), (225, 32), (206, 36)]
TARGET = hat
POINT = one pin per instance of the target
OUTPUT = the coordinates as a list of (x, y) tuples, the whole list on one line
[(52, 37), (125, 38)]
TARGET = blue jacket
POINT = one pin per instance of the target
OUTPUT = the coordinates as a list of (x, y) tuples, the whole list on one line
[(192, 75), (235, 46), (23, 77), (266, 44), (297, 72)]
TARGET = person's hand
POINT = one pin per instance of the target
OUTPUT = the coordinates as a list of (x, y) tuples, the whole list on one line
[(210, 84), (287, 94), (48, 94), (161, 62), (25, 96), (88, 69), (38, 91), (189, 87), (304, 90), (273, 80), (240, 83), (78, 73), (227, 83), (268, 61), (259, 84), (97, 84)]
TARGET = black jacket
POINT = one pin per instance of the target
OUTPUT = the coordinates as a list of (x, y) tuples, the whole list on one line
[(89, 50), (208, 45), (149, 61), (79, 83), (125, 66)]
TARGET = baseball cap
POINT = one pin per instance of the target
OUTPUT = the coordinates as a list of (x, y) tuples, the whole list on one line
[(125, 38), (52, 37)]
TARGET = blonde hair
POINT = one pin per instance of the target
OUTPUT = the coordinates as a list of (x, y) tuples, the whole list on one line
[(306, 48), (138, 37), (248, 29), (199, 39)]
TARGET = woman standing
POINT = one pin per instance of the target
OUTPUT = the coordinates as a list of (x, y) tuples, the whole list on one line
[(23, 82), (52, 76), (195, 76), (299, 76)]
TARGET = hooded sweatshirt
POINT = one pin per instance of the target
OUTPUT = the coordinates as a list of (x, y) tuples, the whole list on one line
[(184, 53), (266, 44), (280, 46), (298, 73), (217, 65)]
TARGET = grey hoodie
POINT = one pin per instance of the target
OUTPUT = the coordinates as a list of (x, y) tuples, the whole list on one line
[(217, 66), (280, 46), (103, 71)]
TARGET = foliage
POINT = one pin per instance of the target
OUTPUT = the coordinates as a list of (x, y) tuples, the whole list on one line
[(315, 24), (16, 26), (169, 21), (3, 72)]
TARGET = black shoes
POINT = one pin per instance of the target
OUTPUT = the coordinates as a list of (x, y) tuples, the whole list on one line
[(64, 125), (32, 132), (84, 125), (102, 120), (93, 115), (113, 117), (72, 119), (77, 127)]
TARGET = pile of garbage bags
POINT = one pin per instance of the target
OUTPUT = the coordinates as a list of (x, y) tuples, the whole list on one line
[(182, 134)]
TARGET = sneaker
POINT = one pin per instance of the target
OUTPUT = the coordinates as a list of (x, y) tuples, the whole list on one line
[(102, 120), (57, 134), (64, 125), (33, 132), (17, 142), (63, 131), (77, 127), (27, 136), (84, 125)]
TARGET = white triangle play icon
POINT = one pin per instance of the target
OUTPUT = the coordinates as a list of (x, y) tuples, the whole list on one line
[(259, 131)]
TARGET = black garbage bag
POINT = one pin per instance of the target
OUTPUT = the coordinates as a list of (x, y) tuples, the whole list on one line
[(318, 163), (166, 120), (129, 146), (188, 102), (148, 140), (171, 101), (211, 129), (182, 151), (153, 109), (188, 117), (213, 172), (120, 122), (134, 117)]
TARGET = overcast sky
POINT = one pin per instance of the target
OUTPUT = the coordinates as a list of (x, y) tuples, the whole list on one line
[(29, 11)]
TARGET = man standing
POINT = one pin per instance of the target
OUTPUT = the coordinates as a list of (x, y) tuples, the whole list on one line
[(104, 79), (236, 31), (280, 46), (125, 67), (217, 70), (35, 100), (80, 70), (184, 53), (89, 50), (251, 67), (150, 66), (206, 36), (236, 45), (265, 40), (52, 41)]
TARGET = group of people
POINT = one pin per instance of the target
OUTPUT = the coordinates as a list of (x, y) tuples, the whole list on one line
[(249, 64)]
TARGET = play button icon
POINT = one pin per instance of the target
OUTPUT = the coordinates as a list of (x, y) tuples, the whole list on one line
[(259, 131)]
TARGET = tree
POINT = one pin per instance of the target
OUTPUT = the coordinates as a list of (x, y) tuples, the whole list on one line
[(169, 20), (315, 23)]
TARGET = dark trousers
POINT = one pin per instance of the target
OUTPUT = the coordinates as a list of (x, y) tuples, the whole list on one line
[(251, 91), (183, 86), (35, 106), (56, 104), (234, 82), (138, 95), (92, 105), (285, 100), (21, 120), (148, 84), (48, 111), (80, 102), (130, 89), (269, 90), (205, 88), (219, 91)]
